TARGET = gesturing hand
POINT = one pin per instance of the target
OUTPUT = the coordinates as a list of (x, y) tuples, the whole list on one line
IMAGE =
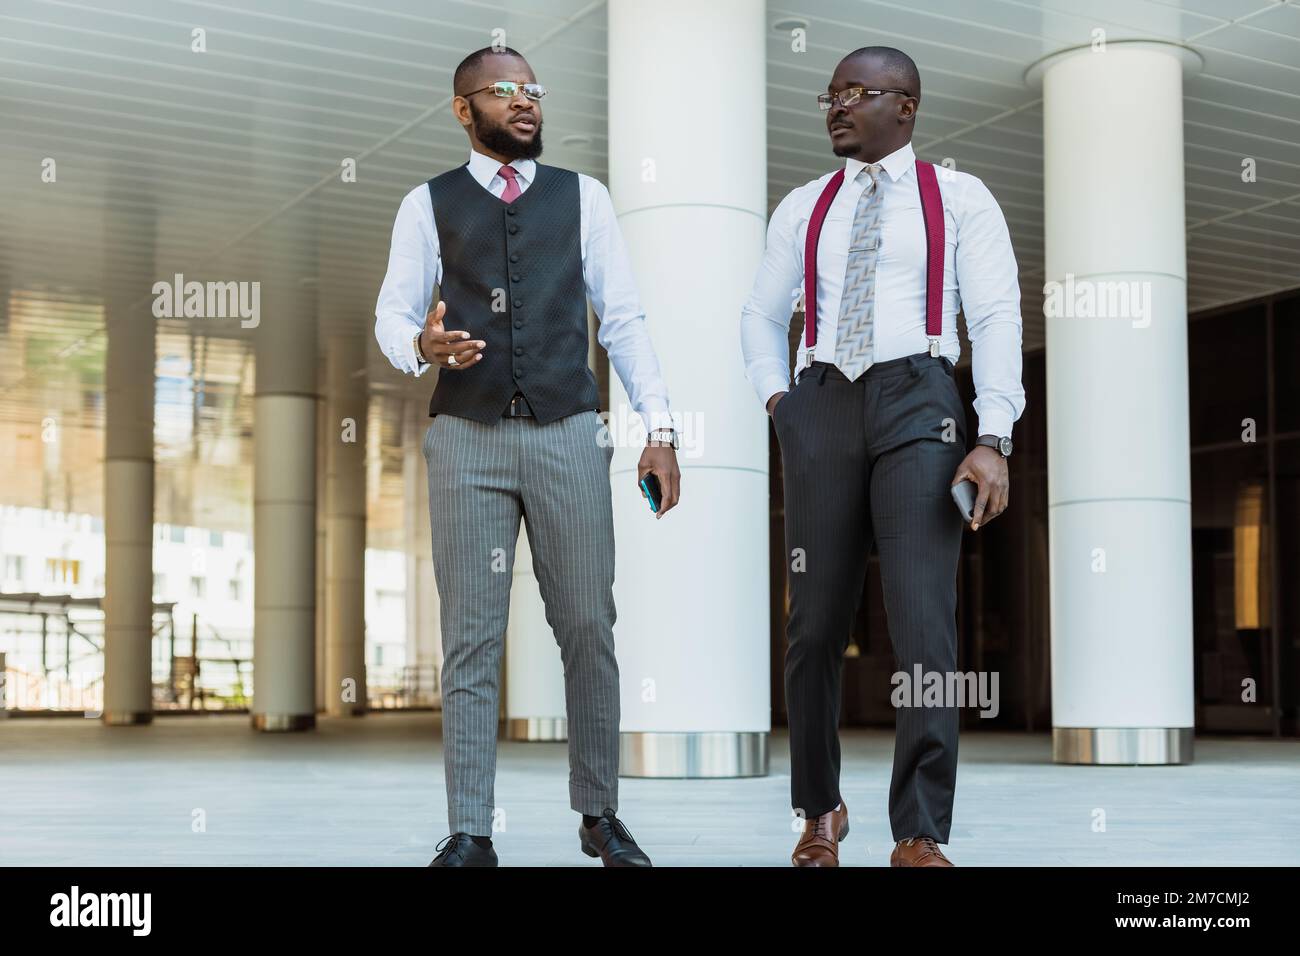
[(453, 350)]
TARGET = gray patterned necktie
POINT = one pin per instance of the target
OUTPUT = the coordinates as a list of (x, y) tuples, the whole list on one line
[(853, 333)]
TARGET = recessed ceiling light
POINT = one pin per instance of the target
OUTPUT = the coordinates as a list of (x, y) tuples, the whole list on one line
[(788, 24), (576, 140)]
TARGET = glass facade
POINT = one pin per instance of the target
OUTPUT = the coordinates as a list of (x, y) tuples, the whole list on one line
[(1244, 405)]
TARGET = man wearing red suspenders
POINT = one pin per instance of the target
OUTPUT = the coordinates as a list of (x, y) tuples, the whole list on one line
[(873, 432)]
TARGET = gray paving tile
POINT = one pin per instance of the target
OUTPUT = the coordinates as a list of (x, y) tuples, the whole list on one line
[(369, 792)]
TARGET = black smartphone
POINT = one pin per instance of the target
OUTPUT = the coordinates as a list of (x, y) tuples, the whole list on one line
[(650, 485), (964, 494)]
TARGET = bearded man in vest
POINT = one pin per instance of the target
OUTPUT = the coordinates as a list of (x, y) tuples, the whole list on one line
[(517, 249), (873, 432)]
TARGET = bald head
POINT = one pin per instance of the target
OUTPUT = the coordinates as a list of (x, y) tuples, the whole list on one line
[(890, 64), (470, 73)]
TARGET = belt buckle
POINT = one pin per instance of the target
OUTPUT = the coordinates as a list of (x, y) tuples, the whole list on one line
[(516, 405)]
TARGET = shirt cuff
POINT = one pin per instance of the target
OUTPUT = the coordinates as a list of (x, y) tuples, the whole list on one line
[(418, 365), (657, 418), (769, 385), (997, 424)]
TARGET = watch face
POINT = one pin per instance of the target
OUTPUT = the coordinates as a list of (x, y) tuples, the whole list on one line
[(1004, 446)]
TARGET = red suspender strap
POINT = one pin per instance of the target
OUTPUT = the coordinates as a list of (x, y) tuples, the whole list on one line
[(931, 211), (810, 259)]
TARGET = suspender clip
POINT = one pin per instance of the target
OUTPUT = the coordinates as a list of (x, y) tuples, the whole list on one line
[(934, 346)]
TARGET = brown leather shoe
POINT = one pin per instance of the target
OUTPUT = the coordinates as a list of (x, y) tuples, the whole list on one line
[(819, 844), (918, 851)]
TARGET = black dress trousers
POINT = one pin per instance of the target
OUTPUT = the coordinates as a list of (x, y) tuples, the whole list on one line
[(872, 461)]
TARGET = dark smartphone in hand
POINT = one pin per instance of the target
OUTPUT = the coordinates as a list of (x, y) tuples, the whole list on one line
[(650, 485), (964, 494)]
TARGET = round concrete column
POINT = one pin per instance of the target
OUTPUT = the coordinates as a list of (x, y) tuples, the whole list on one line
[(128, 477), (1119, 490), (345, 527), (423, 626), (284, 509), (534, 685), (689, 183), (534, 669)]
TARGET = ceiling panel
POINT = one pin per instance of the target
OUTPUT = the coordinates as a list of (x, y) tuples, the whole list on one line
[(173, 160)]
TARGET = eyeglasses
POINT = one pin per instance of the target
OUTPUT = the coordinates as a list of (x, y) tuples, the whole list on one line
[(534, 91), (850, 96)]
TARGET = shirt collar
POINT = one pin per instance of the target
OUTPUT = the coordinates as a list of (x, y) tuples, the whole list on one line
[(896, 164), (483, 168)]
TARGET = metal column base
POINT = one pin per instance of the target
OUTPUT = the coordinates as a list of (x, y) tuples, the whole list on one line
[(537, 728), (275, 723), (125, 718), (1122, 745), (726, 754)]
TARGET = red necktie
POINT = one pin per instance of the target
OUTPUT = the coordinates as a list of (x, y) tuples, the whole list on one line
[(513, 192)]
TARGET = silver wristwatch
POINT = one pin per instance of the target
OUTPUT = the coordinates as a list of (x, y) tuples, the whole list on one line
[(666, 435), (419, 356)]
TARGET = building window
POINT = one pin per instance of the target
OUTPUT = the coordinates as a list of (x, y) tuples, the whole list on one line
[(198, 586), (62, 572), (236, 589), (14, 568)]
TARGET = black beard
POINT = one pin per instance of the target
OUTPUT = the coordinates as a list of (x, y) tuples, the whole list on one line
[(500, 140), (846, 152)]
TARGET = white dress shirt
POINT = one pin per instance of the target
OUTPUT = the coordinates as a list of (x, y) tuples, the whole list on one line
[(415, 267), (979, 275)]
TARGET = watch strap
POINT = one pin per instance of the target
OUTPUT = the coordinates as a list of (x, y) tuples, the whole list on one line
[(992, 441)]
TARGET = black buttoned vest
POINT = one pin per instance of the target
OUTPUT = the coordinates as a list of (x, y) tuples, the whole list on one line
[(512, 276)]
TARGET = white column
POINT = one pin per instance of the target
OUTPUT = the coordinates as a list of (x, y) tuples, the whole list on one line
[(534, 669), (423, 625), (322, 471), (688, 175), (534, 678), (1119, 490), (345, 531), (284, 509), (128, 481)]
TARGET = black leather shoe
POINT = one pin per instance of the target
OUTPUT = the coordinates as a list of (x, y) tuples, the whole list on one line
[(610, 840), (459, 850)]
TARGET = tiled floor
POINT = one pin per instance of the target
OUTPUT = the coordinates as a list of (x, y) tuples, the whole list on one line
[(194, 790)]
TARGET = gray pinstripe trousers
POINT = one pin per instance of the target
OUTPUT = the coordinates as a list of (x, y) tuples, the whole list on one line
[(482, 480), (866, 462)]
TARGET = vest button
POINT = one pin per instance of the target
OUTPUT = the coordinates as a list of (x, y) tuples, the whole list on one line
[(518, 350), (514, 257), (510, 210), (519, 373), (515, 277), (513, 230), (518, 303), (519, 324)]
